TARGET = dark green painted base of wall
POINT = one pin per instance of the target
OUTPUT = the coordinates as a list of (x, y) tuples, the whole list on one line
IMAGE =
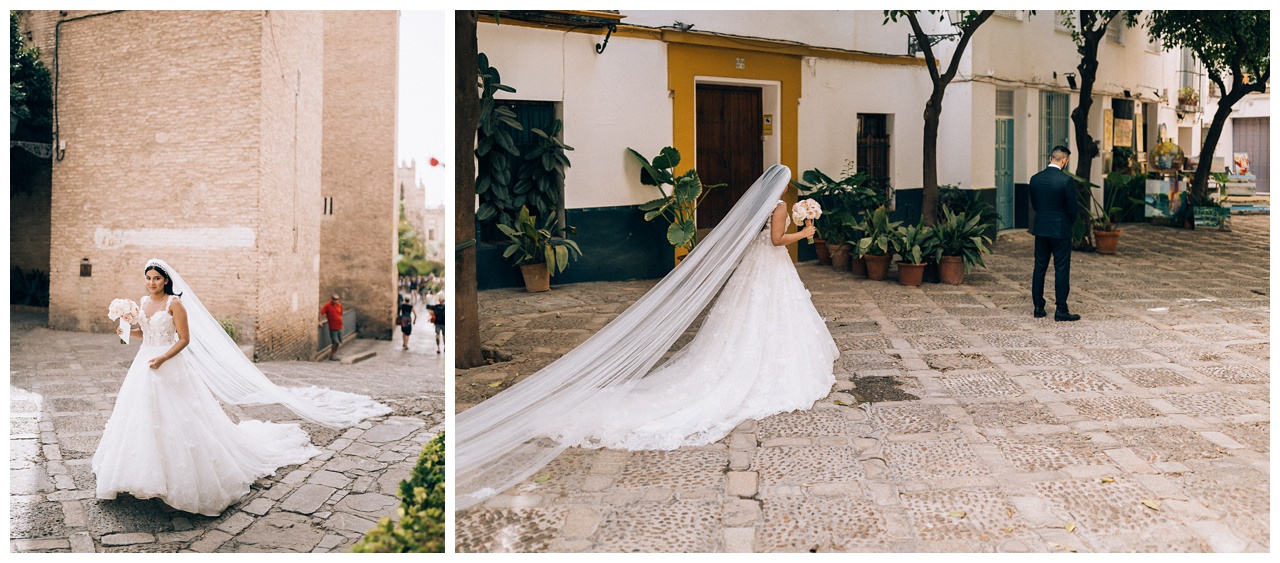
[(617, 244)]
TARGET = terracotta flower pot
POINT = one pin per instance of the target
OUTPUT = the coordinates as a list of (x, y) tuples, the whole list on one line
[(840, 258), (824, 253), (681, 252), (910, 274), (1107, 241), (858, 266), (536, 277), (877, 267), (951, 270)]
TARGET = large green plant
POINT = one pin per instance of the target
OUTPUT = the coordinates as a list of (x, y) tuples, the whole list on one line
[(962, 235), (542, 172), (532, 245), (914, 243), (843, 202), (679, 206), (1103, 214), (877, 233), (495, 149), (420, 527), (965, 201)]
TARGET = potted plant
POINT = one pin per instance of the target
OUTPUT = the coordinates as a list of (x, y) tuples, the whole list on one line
[(537, 252), (962, 241), (876, 244), (1188, 99), (679, 207), (914, 244), (842, 202), (1104, 215)]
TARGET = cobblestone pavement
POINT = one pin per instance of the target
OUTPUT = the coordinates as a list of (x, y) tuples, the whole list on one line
[(1145, 426), (62, 387)]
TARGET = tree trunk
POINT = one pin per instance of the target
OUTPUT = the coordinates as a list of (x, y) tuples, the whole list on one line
[(1086, 148), (466, 307), (929, 196), (1200, 182)]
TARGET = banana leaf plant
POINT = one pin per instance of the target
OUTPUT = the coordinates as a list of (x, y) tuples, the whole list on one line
[(877, 233), (963, 236), (914, 243), (533, 245), (679, 206)]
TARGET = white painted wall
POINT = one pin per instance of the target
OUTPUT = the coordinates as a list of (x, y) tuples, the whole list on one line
[(836, 91), (611, 101)]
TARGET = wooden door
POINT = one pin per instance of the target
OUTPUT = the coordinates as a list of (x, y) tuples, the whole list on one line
[(729, 146)]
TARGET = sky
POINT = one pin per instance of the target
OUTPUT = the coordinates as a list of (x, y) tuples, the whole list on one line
[(425, 128)]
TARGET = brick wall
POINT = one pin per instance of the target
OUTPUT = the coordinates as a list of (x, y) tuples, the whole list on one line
[(292, 86), (358, 242), (159, 114), (207, 139)]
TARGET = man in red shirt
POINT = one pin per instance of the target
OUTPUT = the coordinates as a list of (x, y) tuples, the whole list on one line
[(332, 313)]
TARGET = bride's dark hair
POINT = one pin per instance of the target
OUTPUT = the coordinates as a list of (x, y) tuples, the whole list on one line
[(168, 282)]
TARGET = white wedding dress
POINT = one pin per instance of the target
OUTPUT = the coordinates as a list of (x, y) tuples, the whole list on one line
[(169, 438), (762, 350)]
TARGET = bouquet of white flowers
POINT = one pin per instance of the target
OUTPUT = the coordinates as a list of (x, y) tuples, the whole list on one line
[(127, 312), (805, 209)]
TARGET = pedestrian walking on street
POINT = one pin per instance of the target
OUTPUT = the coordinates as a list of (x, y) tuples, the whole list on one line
[(168, 437), (437, 318), (332, 314), (406, 318), (1053, 197)]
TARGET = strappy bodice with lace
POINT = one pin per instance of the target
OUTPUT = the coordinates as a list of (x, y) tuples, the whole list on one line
[(158, 329)]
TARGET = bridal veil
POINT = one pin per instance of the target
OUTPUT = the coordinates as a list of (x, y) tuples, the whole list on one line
[(511, 435), (218, 362)]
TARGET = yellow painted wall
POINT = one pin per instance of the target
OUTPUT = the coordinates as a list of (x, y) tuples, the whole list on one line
[(684, 62)]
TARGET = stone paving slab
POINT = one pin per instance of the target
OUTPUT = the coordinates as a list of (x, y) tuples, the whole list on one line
[(1143, 427), (62, 388)]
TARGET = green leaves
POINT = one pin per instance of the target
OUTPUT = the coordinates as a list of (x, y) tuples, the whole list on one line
[(531, 244), (959, 235), (678, 207)]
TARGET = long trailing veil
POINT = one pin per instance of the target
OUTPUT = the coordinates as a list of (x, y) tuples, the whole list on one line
[(511, 435), (216, 359)]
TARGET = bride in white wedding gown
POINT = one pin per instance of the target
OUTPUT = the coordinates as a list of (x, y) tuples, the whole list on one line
[(168, 437), (762, 350)]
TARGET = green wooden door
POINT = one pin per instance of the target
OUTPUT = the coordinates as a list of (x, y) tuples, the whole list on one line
[(1004, 171)]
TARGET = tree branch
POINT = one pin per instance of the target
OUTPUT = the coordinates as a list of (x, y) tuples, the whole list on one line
[(965, 33)]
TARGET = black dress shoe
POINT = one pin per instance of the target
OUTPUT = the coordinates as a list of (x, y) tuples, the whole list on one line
[(1065, 316), (1039, 313)]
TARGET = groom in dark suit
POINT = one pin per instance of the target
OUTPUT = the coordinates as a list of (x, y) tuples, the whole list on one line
[(1053, 197)]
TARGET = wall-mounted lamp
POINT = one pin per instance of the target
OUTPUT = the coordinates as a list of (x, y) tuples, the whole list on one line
[(86, 269), (1071, 79), (1126, 93)]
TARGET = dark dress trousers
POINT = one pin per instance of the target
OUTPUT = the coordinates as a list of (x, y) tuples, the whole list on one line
[(1053, 197)]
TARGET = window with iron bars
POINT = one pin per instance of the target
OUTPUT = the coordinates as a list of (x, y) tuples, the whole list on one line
[(873, 149)]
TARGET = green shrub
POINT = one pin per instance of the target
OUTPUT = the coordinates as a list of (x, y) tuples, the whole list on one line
[(421, 525)]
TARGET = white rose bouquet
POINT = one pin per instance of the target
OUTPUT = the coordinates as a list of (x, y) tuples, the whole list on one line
[(127, 312), (805, 209)]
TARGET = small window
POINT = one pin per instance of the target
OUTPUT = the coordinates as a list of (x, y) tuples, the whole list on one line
[(873, 148), (1153, 45), (328, 206), (1115, 30), (431, 234), (1004, 103)]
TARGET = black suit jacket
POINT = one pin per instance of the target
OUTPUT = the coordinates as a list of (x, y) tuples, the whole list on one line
[(1053, 197)]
